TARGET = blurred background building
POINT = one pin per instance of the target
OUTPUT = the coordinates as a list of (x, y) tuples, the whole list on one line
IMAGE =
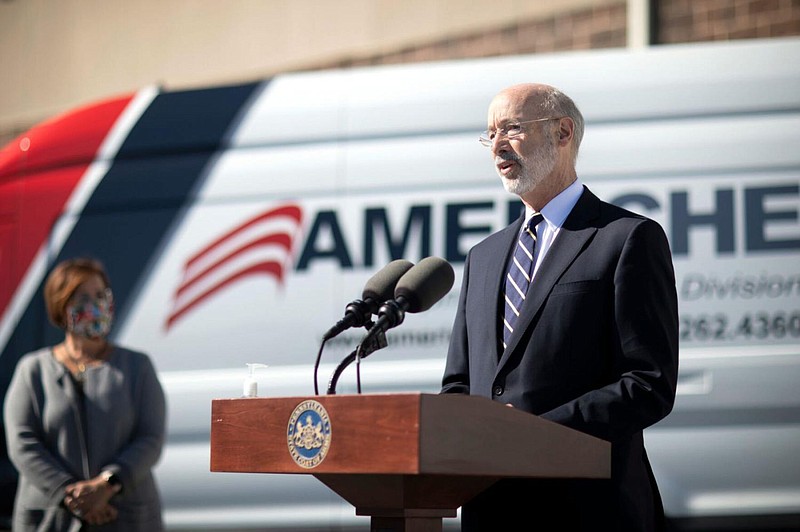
[(59, 54)]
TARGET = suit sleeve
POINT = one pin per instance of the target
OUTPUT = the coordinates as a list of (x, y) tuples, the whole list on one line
[(645, 345)]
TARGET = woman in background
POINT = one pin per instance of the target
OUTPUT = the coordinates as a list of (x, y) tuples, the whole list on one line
[(84, 418)]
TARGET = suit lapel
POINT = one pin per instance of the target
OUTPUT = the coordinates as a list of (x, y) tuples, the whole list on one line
[(494, 275), (569, 243)]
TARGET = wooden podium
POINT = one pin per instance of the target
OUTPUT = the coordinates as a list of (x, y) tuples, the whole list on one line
[(405, 460)]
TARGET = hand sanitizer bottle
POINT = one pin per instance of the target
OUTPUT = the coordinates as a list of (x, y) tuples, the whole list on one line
[(250, 387)]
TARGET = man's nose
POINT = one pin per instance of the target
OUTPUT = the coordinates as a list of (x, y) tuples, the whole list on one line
[(499, 144)]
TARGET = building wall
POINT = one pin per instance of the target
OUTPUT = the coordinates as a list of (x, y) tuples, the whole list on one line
[(714, 20), (61, 53), (598, 26), (57, 55)]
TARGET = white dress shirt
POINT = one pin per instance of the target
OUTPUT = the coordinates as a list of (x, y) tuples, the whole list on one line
[(554, 213)]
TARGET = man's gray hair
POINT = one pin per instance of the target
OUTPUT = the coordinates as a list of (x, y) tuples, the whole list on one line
[(556, 103)]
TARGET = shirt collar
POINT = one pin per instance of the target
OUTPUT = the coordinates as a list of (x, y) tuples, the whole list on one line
[(557, 210)]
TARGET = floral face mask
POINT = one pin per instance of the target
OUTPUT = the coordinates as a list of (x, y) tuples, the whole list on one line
[(91, 317)]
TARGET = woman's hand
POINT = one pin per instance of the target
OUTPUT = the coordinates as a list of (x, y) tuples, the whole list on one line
[(88, 499), (101, 516)]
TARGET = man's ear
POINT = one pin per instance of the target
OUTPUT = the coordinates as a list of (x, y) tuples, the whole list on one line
[(566, 130)]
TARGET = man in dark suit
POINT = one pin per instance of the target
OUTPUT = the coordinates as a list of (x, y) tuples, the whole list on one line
[(591, 342)]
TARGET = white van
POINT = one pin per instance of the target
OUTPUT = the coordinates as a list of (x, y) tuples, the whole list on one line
[(238, 222)]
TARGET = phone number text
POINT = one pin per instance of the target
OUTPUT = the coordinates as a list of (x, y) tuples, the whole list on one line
[(750, 326)]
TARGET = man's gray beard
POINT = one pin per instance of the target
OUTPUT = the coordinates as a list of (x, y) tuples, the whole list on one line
[(533, 170)]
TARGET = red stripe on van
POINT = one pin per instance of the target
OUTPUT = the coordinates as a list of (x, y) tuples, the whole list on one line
[(39, 171), (259, 232)]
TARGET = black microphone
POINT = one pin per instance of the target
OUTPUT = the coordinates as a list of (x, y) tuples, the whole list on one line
[(416, 291), (378, 289)]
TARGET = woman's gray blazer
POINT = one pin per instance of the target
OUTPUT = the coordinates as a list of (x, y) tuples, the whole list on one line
[(124, 417)]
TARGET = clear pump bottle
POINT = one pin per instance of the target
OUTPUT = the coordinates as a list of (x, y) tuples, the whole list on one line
[(250, 386)]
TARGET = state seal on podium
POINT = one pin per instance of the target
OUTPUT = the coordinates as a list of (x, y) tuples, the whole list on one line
[(308, 434)]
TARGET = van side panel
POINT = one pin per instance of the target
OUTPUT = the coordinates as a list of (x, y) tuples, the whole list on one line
[(38, 173)]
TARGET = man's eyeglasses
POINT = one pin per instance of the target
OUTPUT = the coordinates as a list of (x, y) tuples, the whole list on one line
[(510, 131)]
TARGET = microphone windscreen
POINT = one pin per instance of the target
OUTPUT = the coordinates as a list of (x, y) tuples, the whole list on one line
[(380, 286), (425, 284)]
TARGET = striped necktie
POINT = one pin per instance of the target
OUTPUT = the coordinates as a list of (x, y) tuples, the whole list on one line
[(518, 277)]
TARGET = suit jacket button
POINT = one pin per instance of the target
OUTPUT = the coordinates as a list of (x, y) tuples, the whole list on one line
[(498, 390)]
